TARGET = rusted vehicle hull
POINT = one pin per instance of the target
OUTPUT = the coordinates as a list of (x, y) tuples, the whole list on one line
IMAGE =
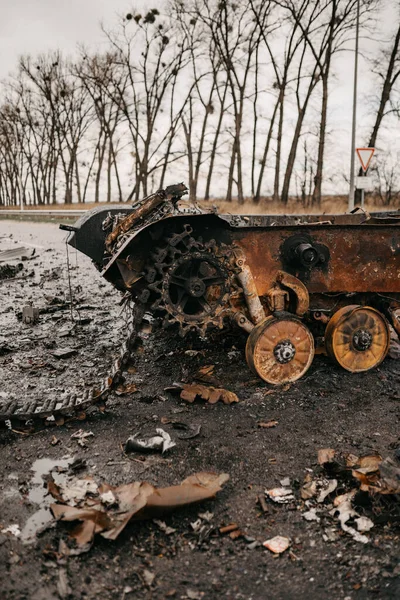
[(295, 284)]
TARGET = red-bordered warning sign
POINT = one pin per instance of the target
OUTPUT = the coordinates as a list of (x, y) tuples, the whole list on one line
[(365, 155)]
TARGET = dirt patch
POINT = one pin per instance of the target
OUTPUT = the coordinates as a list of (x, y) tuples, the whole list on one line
[(329, 408)]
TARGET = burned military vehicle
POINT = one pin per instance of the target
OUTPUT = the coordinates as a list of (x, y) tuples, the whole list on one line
[(296, 284)]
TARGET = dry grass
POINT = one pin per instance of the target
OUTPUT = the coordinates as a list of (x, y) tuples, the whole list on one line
[(330, 204)]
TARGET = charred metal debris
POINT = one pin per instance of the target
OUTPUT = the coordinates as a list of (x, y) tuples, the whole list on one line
[(295, 284)]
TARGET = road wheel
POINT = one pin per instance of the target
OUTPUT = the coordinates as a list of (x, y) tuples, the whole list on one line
[(280, 350), (357, 337)]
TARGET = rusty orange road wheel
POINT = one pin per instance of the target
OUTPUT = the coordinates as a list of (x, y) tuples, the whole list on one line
[(280, 350), (357, 337)]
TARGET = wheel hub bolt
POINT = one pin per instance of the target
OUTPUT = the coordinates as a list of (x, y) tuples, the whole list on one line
[(284, 352), (196, 287), (362, 340)]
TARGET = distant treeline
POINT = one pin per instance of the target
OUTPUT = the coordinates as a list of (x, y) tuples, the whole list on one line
[(221, 94)]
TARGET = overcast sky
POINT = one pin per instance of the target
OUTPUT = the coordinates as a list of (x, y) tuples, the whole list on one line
[(36, 26)]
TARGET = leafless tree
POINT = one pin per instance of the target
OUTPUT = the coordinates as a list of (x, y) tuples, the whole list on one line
[(387, 67), (152, 79)]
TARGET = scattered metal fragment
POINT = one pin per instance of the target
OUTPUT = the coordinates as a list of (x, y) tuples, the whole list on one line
[(281, 495), (164, 527), (82, 436), (13, 529), (207, 516), (277, 544), (267, 424), (262, 503), (210, 394), (344, 511), (159, 443), (364, 524), (311, 515), (206, 375), (378, 476), (229, 528), (325, 487), (123, 389), (17, 253), (326, 455)]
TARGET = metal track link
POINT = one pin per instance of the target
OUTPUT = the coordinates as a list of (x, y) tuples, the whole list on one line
[(78, 402)]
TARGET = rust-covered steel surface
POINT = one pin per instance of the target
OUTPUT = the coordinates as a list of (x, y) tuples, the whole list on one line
[(364, 258), (199, 270)]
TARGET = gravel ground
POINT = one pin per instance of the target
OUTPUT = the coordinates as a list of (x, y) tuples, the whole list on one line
[(327, 408)]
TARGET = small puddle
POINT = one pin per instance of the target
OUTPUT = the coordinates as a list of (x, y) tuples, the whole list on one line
[(38, 495)]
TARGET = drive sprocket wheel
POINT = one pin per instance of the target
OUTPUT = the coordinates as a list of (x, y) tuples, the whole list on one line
[(357, 337), (280, 350), (191, 281)]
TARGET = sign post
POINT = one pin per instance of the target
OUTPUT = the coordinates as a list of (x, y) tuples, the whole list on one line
[(364, 156)]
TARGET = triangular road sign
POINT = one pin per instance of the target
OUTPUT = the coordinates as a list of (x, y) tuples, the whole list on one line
[(365, 155)]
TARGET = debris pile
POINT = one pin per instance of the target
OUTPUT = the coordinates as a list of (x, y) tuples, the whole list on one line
[(366, 492), (358, 492), (106, 510)]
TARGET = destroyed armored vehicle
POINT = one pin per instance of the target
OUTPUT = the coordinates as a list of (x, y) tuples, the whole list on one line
[(296, 284)]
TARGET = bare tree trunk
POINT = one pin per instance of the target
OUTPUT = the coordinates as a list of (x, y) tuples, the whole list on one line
[(215, 144), (231, 171), (293, 147), (109, 167), (101, 152), (279, 143), (265, 153), (255, 122), (78, 182), (188, 134), (316, 198)]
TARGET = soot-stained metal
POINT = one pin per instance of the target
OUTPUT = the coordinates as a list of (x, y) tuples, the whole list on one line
[(294, 283)]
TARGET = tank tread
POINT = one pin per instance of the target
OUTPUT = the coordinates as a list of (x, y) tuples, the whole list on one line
[(76, 402)]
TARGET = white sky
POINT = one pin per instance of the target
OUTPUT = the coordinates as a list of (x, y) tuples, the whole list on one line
[(36, 26)]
